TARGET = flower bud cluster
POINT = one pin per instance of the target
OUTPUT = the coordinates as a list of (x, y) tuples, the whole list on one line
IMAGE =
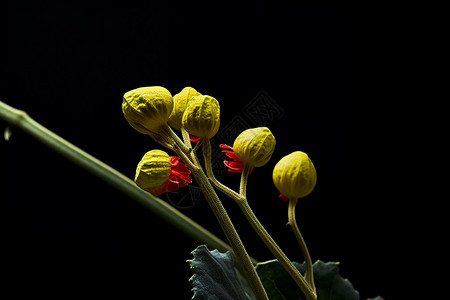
[(150, 109)]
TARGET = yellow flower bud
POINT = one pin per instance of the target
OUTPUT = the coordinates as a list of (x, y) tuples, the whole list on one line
[(147, 108), (153, 170), (202, 116), (294, 175), (255, 146), (181, 101)]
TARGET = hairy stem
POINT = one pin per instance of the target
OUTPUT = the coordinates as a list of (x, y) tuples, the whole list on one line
[(187, 142), (207, 155), (276, 251), (243, 185), (293, 223), (243, 259), (168, 131), (186, 137)]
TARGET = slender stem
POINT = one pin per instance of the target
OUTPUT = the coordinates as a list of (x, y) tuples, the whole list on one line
[(230, 232), (259, 228), (243, 259), (186, 137), (168, 130), (21, 120), (207, 155), (187, 142), (293, 223), (276, 251), (185, 158), (200, 143), (166, 141), (243, 185)]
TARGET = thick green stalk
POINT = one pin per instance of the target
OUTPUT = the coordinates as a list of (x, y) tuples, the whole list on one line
[(21, 120), (293, 223)]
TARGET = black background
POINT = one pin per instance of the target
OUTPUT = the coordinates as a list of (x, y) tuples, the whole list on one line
[(68, 65)]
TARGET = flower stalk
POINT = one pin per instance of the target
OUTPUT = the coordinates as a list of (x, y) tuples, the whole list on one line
[(308, 262), (207, 156), (253, 148), (305, 287), (241, 200), (239, 251)]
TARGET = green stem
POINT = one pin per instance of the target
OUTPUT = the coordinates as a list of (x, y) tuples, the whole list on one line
[(186, 137), (169, 132), (243, 259), (187, 142), (293, 223), (269, 241), (243, 185), (21, 120), (276, 251), (207, 155)]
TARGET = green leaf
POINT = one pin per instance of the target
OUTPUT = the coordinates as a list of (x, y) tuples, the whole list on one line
[(329, 284), (277, 282), (216, 278)]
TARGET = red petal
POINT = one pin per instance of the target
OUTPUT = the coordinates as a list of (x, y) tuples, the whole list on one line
[(179, 170), (179, 177), (174, 160), (231, 155), (223, 146), (234, 166), (194, 139), (173, 186), (285, 199)]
